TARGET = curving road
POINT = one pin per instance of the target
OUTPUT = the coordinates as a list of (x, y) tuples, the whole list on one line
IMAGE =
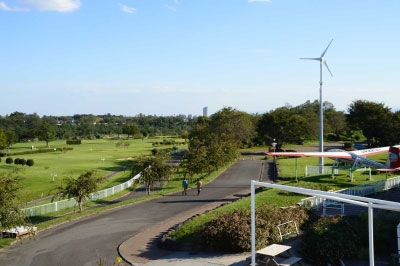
[(84, 241)]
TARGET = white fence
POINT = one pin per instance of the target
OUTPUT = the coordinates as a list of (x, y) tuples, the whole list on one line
[(69, 203), (361, 190)]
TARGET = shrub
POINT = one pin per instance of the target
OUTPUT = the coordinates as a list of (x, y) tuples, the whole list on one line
[(231, 231), (17, 161), (22, 161), (2, 154), (73, 142), (331, 239), (9, 160), (29, 162)]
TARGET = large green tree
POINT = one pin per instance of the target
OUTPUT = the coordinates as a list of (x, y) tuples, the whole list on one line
[(10, 212), (79, 188), (11, 138), (374, 119), (154, 169), (130, 129), (47, 131)]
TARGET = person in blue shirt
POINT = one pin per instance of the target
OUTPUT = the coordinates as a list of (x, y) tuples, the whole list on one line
[(185, 186)]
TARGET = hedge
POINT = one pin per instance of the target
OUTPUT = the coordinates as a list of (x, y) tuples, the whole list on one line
[(40, 151), (73, 142)]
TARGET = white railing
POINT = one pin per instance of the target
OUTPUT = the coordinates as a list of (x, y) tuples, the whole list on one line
[(318, 170), (69, 203), (360, 190)]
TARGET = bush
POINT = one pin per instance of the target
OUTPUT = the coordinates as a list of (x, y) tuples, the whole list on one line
[(2, 154), (29, 162), (22, 161), (73, 142), (231, 231), (9, 160), (17, 161), (331, 239)]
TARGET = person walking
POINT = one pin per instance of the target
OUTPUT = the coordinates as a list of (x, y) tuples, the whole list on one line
[(199, 184), (185, 186)]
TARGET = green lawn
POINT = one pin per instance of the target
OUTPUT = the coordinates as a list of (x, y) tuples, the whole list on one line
[(37, 180)]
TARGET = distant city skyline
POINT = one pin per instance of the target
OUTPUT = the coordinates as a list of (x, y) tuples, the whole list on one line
[(165, 57)]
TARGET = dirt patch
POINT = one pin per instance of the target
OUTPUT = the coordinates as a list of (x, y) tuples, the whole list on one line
[(124, 159)]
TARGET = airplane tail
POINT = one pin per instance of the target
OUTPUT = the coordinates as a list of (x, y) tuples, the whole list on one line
[(393, 160)]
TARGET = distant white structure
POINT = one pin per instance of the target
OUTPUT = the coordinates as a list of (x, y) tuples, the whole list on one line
[(205, 110)]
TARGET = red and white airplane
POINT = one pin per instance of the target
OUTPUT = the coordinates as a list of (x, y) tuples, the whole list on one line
[(357, 158)]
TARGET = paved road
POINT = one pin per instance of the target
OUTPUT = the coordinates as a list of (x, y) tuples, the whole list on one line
[(84, 241)]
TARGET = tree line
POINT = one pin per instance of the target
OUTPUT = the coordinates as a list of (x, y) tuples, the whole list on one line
[(287, 124), (20, 127)]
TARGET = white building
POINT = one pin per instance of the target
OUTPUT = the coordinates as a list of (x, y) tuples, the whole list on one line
[(205, 111)]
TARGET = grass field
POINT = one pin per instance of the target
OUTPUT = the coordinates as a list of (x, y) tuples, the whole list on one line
[(37, 181)]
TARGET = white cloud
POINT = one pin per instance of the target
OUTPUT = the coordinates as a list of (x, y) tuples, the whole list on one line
[(127, 9), (5, 7), (52, 5), (170, 7), (255, 1)]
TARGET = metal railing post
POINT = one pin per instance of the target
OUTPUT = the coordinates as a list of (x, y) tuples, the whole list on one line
[(371, 234), (253, 225)]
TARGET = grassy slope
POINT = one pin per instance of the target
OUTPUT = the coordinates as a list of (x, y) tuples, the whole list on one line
[(280, 198), (37, 180)]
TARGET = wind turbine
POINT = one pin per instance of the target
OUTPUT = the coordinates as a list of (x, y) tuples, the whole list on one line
[(321, 60)]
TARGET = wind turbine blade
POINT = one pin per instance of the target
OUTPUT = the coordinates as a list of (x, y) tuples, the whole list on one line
[(322, 55), (328, 68), (318, 59)]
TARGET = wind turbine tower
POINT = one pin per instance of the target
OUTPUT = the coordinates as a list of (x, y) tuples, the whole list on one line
[(321, 60)]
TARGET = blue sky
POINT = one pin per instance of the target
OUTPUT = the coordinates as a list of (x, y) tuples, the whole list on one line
[(164, 57)]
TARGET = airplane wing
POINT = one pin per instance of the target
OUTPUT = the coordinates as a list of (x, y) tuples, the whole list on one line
[(373, 151), (389, 170), (333, 154)]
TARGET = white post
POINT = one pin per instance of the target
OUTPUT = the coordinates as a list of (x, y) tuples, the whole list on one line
[(56, 205), (306, 170), (253, 225), (398, 240), (371, 233)]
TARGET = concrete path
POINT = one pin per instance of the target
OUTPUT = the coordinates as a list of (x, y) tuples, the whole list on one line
[(84, 241)]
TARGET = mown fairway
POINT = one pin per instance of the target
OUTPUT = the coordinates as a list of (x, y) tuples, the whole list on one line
[(37, 180)]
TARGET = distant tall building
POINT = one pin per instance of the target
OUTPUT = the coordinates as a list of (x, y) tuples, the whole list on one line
[(205, 111)]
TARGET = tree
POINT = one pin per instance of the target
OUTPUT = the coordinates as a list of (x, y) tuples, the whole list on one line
[(79, 188), (236, 124), (47, 132), (3, 139), (154, 169), (11, 138), (10, 213), (374, 119), (130, 129)]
